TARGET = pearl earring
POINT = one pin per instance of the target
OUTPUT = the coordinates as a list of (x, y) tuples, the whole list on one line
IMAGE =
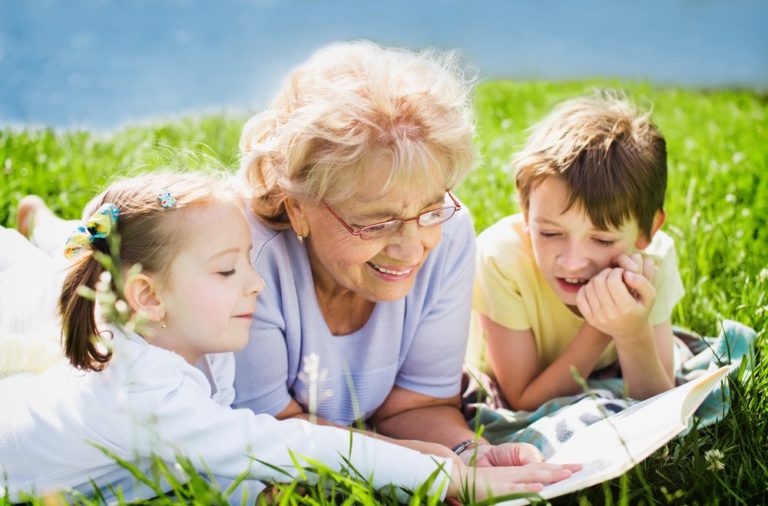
[(300, 238)]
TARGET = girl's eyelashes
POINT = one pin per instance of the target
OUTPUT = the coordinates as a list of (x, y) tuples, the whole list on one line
[(549, 234), (227, 274)]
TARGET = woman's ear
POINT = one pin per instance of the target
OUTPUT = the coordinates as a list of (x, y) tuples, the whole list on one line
[(297, 215), (142, 296), (658, 220)]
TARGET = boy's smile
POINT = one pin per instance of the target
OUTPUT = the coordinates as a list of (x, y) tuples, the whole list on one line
[(568, 248)]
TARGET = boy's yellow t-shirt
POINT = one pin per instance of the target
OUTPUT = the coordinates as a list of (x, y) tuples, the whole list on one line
[(510, 290)]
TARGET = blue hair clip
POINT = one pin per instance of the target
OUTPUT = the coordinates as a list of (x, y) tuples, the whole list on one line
[(166, 199)]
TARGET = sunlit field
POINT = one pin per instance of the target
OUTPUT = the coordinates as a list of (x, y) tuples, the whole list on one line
[(717, 211)]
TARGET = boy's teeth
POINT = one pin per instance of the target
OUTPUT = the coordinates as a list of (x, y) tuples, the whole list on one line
[(394, 273)]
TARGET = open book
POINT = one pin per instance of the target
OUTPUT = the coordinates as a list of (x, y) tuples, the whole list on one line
[(615, 444)]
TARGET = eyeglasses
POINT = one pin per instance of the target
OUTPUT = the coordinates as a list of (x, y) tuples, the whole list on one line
[(386, 228)]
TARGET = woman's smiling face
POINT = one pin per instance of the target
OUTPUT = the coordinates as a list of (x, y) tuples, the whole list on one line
[(376, 269)]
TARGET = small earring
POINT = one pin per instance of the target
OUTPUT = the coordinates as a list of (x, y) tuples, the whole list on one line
[(163, 324), (300, 238)]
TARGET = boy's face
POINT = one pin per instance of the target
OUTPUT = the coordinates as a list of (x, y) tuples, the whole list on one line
[(568, 248)]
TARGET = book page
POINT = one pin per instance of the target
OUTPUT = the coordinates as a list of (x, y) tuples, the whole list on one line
[(614, 445)]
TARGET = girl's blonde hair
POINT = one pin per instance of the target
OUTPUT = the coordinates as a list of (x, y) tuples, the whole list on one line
[(352, 104), (149, 235)]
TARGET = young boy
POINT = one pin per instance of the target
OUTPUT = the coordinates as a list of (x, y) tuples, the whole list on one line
[(582, 277)]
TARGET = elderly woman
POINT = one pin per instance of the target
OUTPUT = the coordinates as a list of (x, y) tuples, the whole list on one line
[(366, 253)]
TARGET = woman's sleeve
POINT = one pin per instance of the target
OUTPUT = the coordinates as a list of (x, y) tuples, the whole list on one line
[(226, 442), (261, 368), (432, 365)]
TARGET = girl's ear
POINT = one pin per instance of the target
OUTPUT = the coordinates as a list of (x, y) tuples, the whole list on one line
[(297, 215), (141, 294), (658, 220)]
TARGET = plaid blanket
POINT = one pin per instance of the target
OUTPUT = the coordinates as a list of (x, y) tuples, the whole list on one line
[(555, 421)]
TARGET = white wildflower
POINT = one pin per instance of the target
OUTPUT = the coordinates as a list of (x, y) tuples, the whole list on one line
[(715, 460), (314, 377), (121, 307)]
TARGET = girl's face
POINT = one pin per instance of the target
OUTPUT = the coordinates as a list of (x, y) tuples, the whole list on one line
[(382, 269), (210, 293)]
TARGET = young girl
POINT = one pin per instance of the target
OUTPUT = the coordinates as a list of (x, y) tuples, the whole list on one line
[(165, 389)]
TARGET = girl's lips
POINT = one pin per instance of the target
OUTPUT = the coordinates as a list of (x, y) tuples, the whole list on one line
[(391, 273)]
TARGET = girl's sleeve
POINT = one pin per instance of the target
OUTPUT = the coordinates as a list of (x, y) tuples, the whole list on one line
[(432, 365), (181, 419)]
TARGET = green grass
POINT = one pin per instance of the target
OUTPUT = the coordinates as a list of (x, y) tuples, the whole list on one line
[(717, 208)]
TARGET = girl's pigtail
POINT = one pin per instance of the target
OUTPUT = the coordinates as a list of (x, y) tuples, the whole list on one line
[(78, 320)]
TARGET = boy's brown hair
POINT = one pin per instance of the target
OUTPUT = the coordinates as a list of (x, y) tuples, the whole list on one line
[(613, 159)]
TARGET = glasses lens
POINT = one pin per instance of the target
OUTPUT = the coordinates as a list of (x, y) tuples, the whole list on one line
[(437, 216), (380, 229)]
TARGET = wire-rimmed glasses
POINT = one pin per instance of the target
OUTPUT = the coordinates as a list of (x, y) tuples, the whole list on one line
[(430, 218)]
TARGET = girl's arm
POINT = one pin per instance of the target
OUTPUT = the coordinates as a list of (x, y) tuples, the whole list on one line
[(226, 442), (514, 361)]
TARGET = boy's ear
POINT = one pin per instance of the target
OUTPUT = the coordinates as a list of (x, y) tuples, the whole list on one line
[(141, 294), (295, 211), (658, 220), (524, 212)]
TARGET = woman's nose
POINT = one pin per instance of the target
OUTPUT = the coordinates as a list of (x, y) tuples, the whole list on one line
[(407, 245)]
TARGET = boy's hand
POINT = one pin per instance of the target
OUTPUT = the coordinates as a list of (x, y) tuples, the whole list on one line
[(638, 263), (618, 302)]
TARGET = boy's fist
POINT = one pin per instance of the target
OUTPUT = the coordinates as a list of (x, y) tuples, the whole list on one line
[(618, 301)]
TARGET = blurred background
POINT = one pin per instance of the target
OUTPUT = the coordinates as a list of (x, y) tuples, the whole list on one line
[(102, 63)]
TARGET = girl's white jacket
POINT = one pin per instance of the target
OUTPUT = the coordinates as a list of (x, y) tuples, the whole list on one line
[(149, 401)]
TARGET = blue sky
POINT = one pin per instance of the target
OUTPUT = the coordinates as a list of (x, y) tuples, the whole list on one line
[(102, 63)]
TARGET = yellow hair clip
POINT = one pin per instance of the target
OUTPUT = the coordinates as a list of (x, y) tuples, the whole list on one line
[(98, 226)]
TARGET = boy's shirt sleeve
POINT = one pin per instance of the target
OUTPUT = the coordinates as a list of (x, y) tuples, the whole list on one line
[(500, 277), (669, 285)]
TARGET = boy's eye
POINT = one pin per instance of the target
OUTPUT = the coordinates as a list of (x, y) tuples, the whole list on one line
[(549, 234), (227, 274), (605, 242)]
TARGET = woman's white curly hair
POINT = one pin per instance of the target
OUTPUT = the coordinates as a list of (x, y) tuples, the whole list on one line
[(352, 104)]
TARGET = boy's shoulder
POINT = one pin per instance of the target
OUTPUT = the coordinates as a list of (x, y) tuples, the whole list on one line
[(505, 237), (661, 246)]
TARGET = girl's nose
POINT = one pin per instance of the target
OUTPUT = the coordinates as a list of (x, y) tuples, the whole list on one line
[(256, 285)]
